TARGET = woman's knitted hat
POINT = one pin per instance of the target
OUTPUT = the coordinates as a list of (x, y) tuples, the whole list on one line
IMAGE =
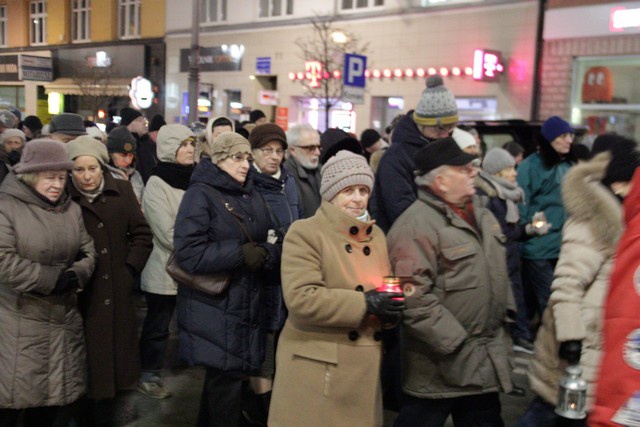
[(10, 133), (43, 155), (343, 170), (496, 160), (437, 106), (553, 127), (86, 145), (169, 139), (463, 138), (120, 140), (228, 144)]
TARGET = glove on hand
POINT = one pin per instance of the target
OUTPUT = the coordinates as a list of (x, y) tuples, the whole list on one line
[(254, 256), (570, 351), (537, 231), (383, 304), (67, 282)]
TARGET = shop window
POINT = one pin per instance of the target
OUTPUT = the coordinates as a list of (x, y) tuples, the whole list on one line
[(360, 4), (606, 95), (38, 22), (81, 20), (213, 11), (3, 26), (12, 95), (269, 8), (129, 19)]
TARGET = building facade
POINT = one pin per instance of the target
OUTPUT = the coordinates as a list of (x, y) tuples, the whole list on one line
[(79, 55), (251, 57)]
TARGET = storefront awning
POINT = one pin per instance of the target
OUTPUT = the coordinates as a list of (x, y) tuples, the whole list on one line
[(86, 87)]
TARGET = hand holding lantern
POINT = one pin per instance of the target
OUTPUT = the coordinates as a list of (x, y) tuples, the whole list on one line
[(539, 225)]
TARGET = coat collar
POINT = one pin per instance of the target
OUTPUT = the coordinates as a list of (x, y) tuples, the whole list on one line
[(110, 187), (438, 204), (345, 225)]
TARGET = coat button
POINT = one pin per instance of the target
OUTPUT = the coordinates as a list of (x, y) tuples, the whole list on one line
[(369, 229), (348, 248), (104, 251), (353, 230), (366, 250), (107, 302), (377, 336), (105, 276), (360, 288), (100, 225), (353, 335)]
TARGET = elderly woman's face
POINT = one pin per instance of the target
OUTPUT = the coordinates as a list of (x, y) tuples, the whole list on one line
[(50, 184), (13, 143), (352, 200), (237, 166), (86, 173)]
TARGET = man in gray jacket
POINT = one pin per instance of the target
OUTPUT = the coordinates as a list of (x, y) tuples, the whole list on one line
[(303, 161), (450, 249)]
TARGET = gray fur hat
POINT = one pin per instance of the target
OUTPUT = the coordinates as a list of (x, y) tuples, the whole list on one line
[(496, 160), (43, 155)]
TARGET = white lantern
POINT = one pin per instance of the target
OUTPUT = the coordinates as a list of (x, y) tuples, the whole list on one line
[(572, 396)]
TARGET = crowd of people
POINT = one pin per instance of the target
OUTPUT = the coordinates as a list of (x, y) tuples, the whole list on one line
[(493, 254)]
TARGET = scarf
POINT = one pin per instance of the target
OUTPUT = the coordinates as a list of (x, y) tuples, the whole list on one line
[(177, 176), (90, 195), (511, 193)]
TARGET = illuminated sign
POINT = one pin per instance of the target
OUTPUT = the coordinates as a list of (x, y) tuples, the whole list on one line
[(141, 93), (621, 19), (313, 70), (487, 65)]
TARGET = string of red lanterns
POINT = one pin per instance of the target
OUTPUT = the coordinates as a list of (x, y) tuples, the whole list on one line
[(388, 73)]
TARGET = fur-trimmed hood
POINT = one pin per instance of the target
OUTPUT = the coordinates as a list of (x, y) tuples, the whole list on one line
[(587, 200)]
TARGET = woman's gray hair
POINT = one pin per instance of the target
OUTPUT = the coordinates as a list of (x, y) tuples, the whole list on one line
[(29, 178), (427, 179), (294, 134)]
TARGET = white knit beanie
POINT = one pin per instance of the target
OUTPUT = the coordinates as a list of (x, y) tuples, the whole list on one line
[(437, 106), (496, 160), (343, 170), (463, 138)]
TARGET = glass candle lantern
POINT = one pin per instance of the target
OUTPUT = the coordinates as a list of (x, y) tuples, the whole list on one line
[(572, 396), (391, 284), (539, 219)]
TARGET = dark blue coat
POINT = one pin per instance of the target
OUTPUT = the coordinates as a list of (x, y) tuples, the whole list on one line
[(282, 196), (395, 190), (226, 332)]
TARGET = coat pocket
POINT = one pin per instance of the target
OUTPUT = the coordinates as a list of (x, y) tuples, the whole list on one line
[(317, 363), (464, 367), (457, 267)]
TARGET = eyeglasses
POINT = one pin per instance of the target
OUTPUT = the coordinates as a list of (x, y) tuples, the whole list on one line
[(240, 157), (310, 148), (267, 151)]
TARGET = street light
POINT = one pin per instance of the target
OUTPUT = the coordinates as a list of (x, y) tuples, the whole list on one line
[(339, 37)]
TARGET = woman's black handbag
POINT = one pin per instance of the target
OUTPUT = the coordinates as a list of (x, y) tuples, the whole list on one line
[(212, 284)]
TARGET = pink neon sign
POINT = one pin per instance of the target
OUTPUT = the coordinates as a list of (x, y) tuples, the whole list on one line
[(487, 65)]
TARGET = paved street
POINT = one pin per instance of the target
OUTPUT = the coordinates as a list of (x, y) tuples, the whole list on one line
[(181, 410)]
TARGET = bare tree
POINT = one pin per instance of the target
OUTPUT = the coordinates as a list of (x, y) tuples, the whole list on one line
[(97, 87), (323, 52)]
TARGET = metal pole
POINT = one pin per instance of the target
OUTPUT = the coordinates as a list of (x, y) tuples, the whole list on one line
[(194, 64), (535, 95)]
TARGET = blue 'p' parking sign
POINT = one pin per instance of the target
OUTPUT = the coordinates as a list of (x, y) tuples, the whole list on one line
[(354, 66)]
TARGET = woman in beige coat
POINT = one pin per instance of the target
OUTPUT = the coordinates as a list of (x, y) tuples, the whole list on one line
[(328, 358), (571, 331), (46, 257)]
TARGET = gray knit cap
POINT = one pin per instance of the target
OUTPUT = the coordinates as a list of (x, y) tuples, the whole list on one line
[(169, 139), (496, 160), (43, 155), (8, 119), (437, 106), (343, 170), (86, 145), (10, 133)]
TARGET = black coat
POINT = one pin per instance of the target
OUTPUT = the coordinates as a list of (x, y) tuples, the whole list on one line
[(226, 332), (146, 156)]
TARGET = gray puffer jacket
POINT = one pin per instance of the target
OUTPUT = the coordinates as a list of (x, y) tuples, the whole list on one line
[(42, 352)]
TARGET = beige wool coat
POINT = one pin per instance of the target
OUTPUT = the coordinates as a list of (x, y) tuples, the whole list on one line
[(329, 353), (581, 277), (42, 347)]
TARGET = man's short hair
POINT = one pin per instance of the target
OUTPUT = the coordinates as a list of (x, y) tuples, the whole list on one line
[(294, 134)]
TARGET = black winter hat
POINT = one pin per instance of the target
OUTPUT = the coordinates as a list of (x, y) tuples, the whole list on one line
[(625, 157), (256, 115), (120, 140), (369, 137), (156, 123), (438, 153), (33, 123), (127, 115)]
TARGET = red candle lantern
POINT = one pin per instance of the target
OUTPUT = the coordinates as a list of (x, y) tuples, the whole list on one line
[(391, 284)]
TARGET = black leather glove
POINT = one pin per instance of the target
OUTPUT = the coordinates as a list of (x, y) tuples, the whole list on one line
[(383, 304), (67, 282), (254, 256), (570, 351)]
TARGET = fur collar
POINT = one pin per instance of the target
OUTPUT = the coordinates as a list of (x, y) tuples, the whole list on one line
[(587, 200)]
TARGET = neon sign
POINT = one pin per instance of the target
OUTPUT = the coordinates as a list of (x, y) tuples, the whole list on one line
[(621, 19), (313, 70), (487, 65)]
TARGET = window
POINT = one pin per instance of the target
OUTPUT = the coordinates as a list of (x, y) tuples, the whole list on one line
[(81, 20), (360, 4), (213, 11), (3, 25), (269, 8), (38, 22), (129, 19)]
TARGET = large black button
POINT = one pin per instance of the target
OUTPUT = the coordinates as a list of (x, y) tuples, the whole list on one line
[(353, 335), (369, 229), (360, 288), (348, 248), (377, 336), (353, 230), (366, 250)]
